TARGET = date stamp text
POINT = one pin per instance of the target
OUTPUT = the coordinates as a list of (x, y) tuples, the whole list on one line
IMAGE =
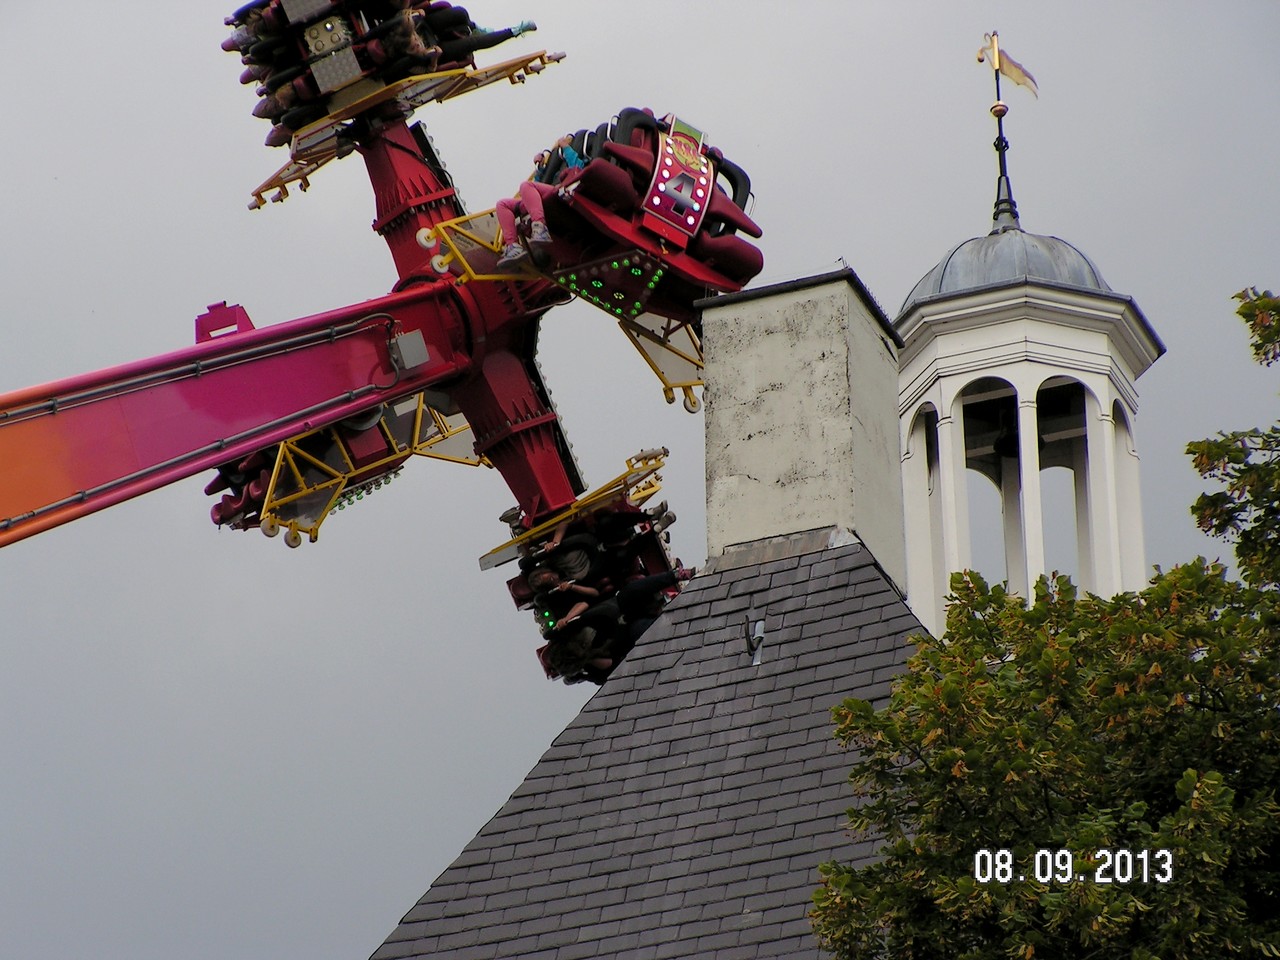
[(1104, 865)]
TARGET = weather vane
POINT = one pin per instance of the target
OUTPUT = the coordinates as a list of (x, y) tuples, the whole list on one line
[(1006, 211)]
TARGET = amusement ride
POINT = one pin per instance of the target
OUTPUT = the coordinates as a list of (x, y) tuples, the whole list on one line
[(299, 419)]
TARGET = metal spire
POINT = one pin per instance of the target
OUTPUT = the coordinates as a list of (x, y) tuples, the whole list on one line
[(1006, 210)]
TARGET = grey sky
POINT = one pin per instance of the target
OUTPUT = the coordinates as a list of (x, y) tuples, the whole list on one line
[(214, 747)]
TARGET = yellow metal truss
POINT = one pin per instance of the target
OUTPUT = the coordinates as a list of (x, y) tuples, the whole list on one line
[(635, 485), (673, 351), (315, 476), (318, 143), (469, 246)]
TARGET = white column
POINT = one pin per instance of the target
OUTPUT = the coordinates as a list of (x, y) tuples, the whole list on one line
[(921, 531), (1032, 512), (1086, 573), (955, 493), (1104, 525), (1134, 571), (1015, 556)]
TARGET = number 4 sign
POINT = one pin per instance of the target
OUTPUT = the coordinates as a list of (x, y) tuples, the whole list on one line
[(682, 182)]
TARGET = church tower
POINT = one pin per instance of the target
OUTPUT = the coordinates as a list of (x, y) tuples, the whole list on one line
[(1018, 357)]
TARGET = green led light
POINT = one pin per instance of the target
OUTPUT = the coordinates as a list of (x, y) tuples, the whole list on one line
[(637, 272), (615, 265)]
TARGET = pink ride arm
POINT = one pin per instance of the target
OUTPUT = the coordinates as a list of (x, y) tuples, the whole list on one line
[(78, 445)]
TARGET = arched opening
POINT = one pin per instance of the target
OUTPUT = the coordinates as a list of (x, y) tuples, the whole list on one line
[(922, 502), (1019, 528), (986, 516), (1061, 545), (1064, 487), (991, 451)]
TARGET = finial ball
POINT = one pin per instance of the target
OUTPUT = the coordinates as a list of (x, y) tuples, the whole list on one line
[(999, 109)]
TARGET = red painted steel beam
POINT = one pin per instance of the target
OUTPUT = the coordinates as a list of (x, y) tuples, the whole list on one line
[(78, 445), (511, 424)]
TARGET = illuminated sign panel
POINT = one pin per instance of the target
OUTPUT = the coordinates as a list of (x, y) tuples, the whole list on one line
[(682, 181)]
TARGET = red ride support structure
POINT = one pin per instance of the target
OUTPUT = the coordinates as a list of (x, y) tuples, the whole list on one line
[(512, 425), (408, 195), (78, 445)]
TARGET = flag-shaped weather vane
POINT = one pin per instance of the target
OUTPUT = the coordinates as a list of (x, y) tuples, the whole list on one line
[(1003, 63), (1006, 211)]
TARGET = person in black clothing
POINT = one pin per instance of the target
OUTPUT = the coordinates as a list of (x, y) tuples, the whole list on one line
[(452, 30), (577, 556), (593, 639), (640, 601), (558, 599), (584, 651)]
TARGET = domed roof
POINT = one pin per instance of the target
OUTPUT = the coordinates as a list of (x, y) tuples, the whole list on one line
[(1008, 253)]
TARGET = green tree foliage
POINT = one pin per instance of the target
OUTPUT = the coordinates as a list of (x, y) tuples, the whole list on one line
[(1148, 722), (1247, 464)]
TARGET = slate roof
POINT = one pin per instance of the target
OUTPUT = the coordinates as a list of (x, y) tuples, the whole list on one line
[(683, 813)]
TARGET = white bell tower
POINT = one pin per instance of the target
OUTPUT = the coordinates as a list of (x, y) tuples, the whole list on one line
[(1018, 357)]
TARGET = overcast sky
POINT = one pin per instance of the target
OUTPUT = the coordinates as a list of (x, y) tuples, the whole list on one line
[(214, 747)]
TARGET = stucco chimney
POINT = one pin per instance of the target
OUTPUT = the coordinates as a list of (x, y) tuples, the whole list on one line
[(802, 416)]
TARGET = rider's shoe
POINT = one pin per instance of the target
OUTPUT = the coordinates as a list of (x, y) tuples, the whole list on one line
[(539, 234), (512, 254)]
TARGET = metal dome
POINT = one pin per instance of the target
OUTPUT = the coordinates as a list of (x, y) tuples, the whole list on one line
[(1007, 254)]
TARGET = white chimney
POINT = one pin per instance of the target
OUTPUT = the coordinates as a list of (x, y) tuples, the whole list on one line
[(802, 416)]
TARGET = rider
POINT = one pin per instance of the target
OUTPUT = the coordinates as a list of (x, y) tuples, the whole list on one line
[(549, 165), (561, 598)]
